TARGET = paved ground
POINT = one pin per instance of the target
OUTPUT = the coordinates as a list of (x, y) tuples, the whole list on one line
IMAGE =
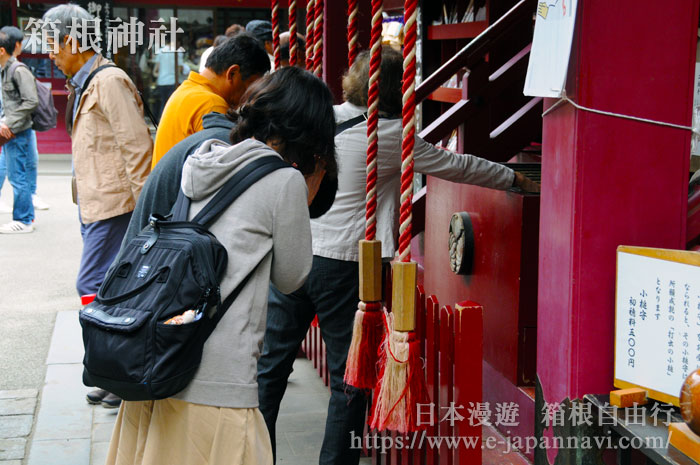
[(71, 432), (44, 418)]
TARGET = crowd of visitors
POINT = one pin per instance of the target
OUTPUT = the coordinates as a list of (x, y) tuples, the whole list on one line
[(231, 111)]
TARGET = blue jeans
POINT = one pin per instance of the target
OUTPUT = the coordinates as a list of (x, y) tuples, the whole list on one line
[(31, 163), (19, 159), (331, 292), (101, 242)]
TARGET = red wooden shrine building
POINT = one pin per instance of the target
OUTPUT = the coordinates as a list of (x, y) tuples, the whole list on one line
[(543, 266)]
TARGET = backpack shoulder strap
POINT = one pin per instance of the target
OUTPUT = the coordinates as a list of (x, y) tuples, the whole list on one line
[(12, 69), (180, 207), (239, 183), (345, 125)]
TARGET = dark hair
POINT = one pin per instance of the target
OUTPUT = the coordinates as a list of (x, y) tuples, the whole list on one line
[(15, 34), (243, 50), (218, 40), (356, 81), (294, 107), (7, 43)]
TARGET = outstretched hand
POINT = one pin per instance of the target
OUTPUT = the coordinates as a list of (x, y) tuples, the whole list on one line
[(525, 183)]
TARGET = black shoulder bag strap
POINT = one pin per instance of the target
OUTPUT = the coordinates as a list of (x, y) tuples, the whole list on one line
[(146, 108), (345, 125)]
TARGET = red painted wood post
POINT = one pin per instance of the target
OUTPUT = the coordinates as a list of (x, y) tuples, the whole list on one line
[(446, 378), (322, 359), (416, 454), (314, 346), (431, 365), (319, 349), (394, 454), (468, 354), (307, 344), (376, 454)]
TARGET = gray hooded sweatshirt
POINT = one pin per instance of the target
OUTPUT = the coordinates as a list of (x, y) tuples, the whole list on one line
[(267, 229)]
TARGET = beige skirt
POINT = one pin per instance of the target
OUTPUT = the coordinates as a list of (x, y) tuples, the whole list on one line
[(175, 432)]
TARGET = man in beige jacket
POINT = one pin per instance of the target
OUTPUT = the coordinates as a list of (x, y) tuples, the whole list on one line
[(111, 147)]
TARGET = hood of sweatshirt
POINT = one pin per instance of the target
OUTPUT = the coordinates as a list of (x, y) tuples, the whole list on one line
[(216, 120), (214, 162)]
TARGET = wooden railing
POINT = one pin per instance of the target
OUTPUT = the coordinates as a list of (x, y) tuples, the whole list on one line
[(480, 86), (474, 52)]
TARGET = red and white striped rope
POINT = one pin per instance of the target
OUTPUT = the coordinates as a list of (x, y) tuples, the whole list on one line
[(310, 11), (318, 38), (293, 32), (352, 31), (409, 129), (373, 120), (276, 33)]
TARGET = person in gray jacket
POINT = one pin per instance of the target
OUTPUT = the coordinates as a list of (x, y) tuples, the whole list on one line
[(19, 99), (266, 231), (332, 288)]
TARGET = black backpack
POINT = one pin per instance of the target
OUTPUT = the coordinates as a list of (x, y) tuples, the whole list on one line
[(170, 267), (45, 114)]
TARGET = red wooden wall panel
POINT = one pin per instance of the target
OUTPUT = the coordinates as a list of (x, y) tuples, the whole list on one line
[(608, 181)]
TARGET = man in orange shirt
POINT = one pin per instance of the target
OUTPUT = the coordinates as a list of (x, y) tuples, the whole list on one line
[(230, 69)]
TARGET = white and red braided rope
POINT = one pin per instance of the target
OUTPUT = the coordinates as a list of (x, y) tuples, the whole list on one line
[(353, 46), (310, 11), (276, 33), (293, 32), (373, 120), (318, 38), (409, 129)]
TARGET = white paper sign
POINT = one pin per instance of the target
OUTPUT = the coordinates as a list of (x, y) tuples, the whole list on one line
[(657, 329), (551, 48)]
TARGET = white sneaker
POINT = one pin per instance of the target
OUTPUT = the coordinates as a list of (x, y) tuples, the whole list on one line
[(16, 227), (4, 208), (39, 204)]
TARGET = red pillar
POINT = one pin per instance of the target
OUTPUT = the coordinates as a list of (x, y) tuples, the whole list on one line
[(335, 43), (607, 181)]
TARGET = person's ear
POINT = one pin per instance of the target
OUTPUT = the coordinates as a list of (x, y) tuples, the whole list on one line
[(232, 71)]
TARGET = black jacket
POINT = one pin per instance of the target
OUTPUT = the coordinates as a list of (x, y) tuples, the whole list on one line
[(163, 184)]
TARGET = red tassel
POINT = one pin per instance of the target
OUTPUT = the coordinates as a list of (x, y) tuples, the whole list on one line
[(401, 387), (367, 335)]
